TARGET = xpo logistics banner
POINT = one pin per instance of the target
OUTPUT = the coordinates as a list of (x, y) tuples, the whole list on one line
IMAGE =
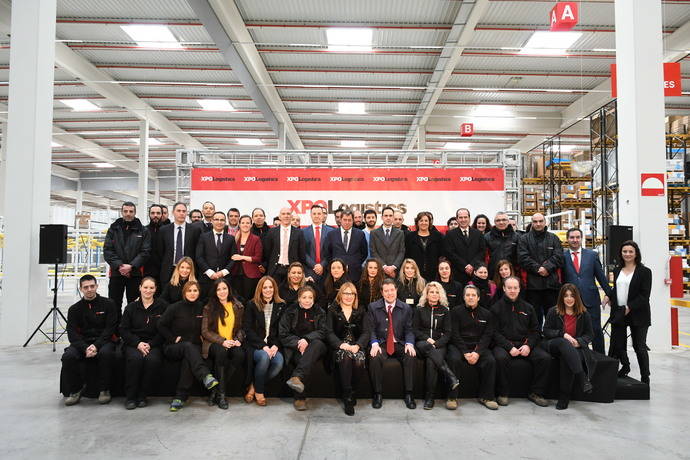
[(440, 191)]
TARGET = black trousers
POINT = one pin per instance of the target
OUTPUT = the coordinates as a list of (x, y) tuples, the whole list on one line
[(540, 361), (619, 345), (141, 372), (569, 363), (542, 300), (119, 284), (434, 359), (406, 361), (304, 363), (192, 365), (348, 370), (486, 365), (280, 273), (75, 366), (227, 360)]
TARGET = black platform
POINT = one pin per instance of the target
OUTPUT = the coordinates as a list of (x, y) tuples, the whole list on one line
[(629, 388)]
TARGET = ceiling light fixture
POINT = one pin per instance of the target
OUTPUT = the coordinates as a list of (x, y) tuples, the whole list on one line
[(80, 105), (55, 144), (550, 43), (152, 141), (356, 108), (152, 36), (492, 111), (249, 141), (349, 39), (353, 144), (216, 105), (457, 146), (103, 165)]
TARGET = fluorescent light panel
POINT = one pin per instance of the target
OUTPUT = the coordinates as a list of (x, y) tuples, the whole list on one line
[(494, 111), (249, 141), (152, 141), (151, 35), (103, 165), (216, 105), (550, 43), (80, 105), (349, 39), (457, 146), (353, 144), (55, 144), (356, 108)]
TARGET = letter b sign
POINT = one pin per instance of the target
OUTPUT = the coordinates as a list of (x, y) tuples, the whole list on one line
[(466, 129)]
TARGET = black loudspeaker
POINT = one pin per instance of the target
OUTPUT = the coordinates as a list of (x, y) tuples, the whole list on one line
[(618, 234), (52, 247)]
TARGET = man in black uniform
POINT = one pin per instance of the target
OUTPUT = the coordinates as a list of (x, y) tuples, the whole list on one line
[(464, 247), (126, 248), (214, 255), (152, 267), (502, 243), (516, 336), (473, 330), (91, 325)]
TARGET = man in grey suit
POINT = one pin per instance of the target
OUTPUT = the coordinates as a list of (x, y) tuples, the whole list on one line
[(387, 243), (316, 233)]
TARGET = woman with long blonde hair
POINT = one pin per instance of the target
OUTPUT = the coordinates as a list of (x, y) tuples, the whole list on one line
[(410, 282)]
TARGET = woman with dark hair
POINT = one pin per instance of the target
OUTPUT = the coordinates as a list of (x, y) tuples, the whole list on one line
[(452, 287), (481, 223), (370, 283), (302, 333), (294, 280), (452, 223), (261, 319), (432, 330), (246, 272), (142, 343), (222, 337), (567, 335), (630, 308), (259, 226), (504, 270), (336, 276), (183, 272), (487, 288), (180, 326), (348, 340), (424, 245)]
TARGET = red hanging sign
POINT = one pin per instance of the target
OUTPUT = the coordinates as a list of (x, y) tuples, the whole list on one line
[(672, 80), (563, 16), (467, 130)]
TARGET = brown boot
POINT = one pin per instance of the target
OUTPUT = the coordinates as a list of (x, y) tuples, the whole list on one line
[(300, 404), (249, 397)]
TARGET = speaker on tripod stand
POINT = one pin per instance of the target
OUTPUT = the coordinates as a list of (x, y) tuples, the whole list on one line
[(52, 249)]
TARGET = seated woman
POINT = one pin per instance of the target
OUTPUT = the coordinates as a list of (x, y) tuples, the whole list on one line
[(567, 335), (293, 282), (246, 272), (487, 288), (336, 276), (504, 270), (348, 340), (453, 288), (370, 283), (261, 319), (432, 330), (183, 272), (222, 337), (302, 333), (410, 283), (142, 343), (180, 326)]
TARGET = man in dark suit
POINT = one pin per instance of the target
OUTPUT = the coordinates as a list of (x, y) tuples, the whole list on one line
[(581, 267), (349, 244), (178, 239), (214, 254), (283, 245), (315, 241), (388, 243), (389, 325), (464, 247), (208, 209)]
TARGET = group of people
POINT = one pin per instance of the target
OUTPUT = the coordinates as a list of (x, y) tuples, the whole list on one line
[(227, 292)]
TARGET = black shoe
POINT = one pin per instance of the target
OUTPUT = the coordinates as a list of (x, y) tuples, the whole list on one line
[(625, 370), (645, 379), (562, 404), (587, 386), (130, 404), (377, 401), (212, 398), (221, 401), (409, 401), (453, 382), (348, 407), (428, 403), (142, 402)]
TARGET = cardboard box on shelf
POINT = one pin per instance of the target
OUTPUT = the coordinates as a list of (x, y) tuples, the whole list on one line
[(675, 177), (675, 165)]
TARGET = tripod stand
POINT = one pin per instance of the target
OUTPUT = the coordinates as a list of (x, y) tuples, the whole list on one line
[(54, 311)]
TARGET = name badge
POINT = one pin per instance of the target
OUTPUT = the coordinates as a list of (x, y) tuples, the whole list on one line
[(409, 301), (523, 313), (481, 321), (99, 313)]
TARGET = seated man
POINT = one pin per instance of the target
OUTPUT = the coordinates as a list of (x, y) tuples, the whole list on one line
[(389, 323), (91, 324), (516, 336)]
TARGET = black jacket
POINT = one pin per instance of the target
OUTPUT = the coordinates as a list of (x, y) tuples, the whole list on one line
[(255, 326), (152, 267), (288, 323), (516, 324), (140, 324), (168, 238), (208, 257), (182, 319), (126, 243), (638, 299), (453, 292), (407, 293), (554, 327), (432, 322), (425, 257), (172, 294), (92, 322), (461, 251), (502, 244), (338, 327), (473, 329), (540, 249), (271, 242), (260, 231), (365, 295), (289, 295)]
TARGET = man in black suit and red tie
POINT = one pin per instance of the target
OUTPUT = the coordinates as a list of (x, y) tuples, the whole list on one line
[(214, 254), (283, 245), (178, 239), (464, 247)]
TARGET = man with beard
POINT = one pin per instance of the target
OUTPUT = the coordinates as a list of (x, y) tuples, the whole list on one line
[(152, 267), (164, 218), (233, 221), (359, 219)]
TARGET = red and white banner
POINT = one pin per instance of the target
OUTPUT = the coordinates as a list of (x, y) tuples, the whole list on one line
[(672, 79), (440, 191)]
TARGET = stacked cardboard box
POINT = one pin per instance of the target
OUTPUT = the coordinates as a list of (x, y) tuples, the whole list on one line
[(675, 171)]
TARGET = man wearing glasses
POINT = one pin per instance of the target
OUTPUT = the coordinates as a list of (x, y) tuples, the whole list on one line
[(502, 242)]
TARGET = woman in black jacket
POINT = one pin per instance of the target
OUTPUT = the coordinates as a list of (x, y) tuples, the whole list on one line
[(452, 288), (294, 281), (424, 245), (504, 270), (336, 276), (261, 319), (180, 326), (410, 283), (348, 340), (630, 308), (567, 334), (432, 330), (302, 333), (183, 272), (142, 343), (370, 283)]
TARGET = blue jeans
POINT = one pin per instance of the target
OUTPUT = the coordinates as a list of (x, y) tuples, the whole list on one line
[(265, 368), (598, 339)]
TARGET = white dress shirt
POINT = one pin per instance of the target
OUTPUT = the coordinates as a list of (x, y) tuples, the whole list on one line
[(622, 287), (224, 271)]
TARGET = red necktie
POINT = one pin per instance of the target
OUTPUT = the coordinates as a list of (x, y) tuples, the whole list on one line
[(576, 262), (317, 243), (390, 340)]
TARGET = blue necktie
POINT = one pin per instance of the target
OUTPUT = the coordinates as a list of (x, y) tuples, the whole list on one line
[(178, 246)]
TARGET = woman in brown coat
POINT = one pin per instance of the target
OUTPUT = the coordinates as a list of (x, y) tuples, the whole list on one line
[(222, 337)]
